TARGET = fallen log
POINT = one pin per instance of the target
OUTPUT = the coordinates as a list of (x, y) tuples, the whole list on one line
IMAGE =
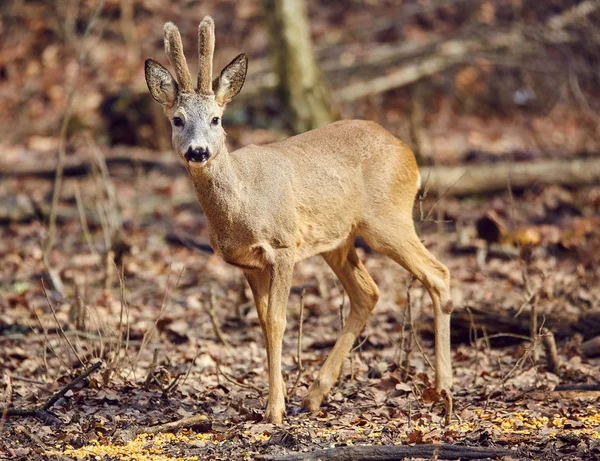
[(453, 52), (591, 348), (504, 326), (389, 453), (77, 166), (461, 180), (131, 432), (42, 409), (481, 179)]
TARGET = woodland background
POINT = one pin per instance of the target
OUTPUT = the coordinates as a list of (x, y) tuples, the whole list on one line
[(104, 254)]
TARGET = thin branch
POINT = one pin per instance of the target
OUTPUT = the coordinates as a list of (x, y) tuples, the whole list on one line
[(62, 331), (26, 380), (83, 219), (33, 411), (49, 243), (7, 400), (232, 380), (211, 310), (299, 351)]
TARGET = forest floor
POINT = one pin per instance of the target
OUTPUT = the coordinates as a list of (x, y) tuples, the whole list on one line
[(173, 325), (162, 359)]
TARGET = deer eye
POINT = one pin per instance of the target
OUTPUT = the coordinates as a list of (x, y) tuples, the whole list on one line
[(215, 121), (177, 121)]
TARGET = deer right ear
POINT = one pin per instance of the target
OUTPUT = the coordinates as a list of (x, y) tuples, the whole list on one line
[(161, 83), (231, 80)]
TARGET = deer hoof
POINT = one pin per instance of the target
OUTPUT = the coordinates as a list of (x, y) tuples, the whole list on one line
[(312, 402), (274, 415)]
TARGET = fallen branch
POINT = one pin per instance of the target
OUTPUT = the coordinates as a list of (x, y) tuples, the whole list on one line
[(498, 322), (578, 387), (591, 348), (452, 52), (77, 166), (389, 453), (232, 380), (35, 410), (551, 353), (460, 180), (480, 179)]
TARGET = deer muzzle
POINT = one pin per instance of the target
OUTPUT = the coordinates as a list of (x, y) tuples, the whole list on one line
[(198, 154)]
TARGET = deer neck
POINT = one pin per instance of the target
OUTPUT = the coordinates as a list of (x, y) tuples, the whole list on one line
[(218, 190)]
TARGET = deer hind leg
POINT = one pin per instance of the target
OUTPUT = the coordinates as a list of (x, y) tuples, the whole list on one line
[(400, 242), (363, 294)]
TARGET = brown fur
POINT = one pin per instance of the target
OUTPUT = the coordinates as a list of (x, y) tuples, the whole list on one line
[(174, 51), (270, 206), (231, 80), (161, 84), (206, 48)]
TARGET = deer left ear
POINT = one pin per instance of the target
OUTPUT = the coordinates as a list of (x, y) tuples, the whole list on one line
[(231, 80), (161, 83)]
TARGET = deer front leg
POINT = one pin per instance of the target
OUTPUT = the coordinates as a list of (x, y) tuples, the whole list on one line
[(260, 282), (275, 321)]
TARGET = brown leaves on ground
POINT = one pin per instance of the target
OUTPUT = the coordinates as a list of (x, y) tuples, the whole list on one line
[(501, 397)]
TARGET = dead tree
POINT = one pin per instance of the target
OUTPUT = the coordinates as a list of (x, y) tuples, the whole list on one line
[(300, 82)]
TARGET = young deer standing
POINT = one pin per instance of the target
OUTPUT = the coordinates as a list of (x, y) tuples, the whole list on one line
[(269, 207)]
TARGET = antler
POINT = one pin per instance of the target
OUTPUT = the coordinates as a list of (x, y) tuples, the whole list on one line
[(206, 49), (174, 50)]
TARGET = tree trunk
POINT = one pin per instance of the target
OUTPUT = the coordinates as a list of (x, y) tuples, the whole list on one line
[(300, 81)]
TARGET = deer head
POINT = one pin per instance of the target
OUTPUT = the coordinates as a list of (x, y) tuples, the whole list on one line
[(195, 114)]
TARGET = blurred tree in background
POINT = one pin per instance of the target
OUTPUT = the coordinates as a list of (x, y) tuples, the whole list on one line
[(300, 81), (456, 79)]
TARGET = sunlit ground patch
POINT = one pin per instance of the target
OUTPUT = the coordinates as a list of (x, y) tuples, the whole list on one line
[(524, 424), (144, 447)]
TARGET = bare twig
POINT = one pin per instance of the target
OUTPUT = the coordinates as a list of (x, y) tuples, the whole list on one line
[(406, 347), (163, 307), (7, 400), (211, 311), (62, 331), (83, 219), (551, 352), (192, 363), (232, 380), (442, 195), (49, 243), (33, 411), (41, 444), (152, 368), (46, 341), (299, 351), (342, 302), (26, 380)]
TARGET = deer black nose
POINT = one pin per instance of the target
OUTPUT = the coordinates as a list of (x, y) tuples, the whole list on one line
[(198, 154)]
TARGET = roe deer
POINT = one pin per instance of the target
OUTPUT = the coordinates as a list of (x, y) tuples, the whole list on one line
[(268, 207)]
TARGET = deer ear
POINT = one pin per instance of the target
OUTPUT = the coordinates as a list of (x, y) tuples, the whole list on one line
[(161, 83), (231, 80)]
